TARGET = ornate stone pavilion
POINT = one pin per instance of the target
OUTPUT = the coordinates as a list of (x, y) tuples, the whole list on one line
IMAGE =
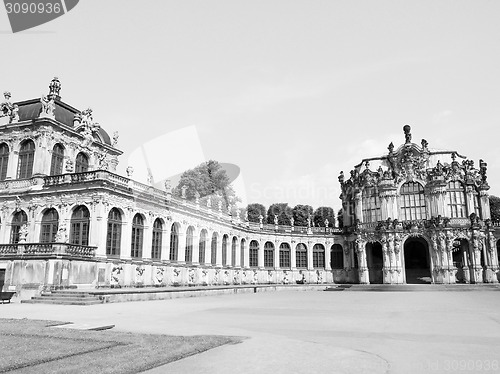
[(419, 215), (68, 220)]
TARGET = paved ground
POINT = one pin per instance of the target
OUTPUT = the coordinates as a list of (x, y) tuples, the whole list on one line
[(313, 332)]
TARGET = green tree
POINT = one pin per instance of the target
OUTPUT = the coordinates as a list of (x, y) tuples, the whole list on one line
[(254, 211), (495, 208), (282, 210), (324, 213), (208, 178), (301, 214)]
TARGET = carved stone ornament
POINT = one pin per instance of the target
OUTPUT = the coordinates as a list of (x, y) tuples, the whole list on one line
[(48, 107), (6, 106)]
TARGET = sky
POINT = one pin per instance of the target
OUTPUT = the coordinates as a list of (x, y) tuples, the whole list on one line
[(291, 92)]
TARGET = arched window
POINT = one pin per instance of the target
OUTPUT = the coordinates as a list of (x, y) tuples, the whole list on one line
[(337, 257), (4, 160), (81, 163), (412, 202), (157, 239), (137, 236), (242, 253), (56, 165), (114, 236), (213, 247), (26, 158), (50, 224), (19, 219), (284, 255), (455, 198), (269, 255), (319, 256), (301, 255), (202, 246), (189, 245), (80, 226), (233, 250), (371, 205), (224, 250), (174, 242), (253, 259)]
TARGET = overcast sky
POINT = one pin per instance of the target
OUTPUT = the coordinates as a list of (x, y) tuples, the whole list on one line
[(292, 92)]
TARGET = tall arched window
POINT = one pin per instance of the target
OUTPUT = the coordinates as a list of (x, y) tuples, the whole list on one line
[(189, 245), (56, 165), (213, 247), (301, 255), (202, 246), (114, 236), (4, 160), (455, 198), (284, 255), (81, 163), (224, 250), (234, 245), (337, 257), (49, 226), (19, 219), (157, 239), (269, 255), (253, 254), (412, 202), (371, 205), (26, 159), (242, 253), (319, 256), (80, 226), (174, 242), (137, 236)]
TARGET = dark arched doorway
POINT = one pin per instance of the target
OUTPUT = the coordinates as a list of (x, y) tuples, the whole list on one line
[(375, 262), (462, 261), (417, 262)]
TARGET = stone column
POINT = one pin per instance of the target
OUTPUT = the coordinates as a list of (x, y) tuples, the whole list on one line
[(276, 255), (485, 202), (260, 262), (147, 242), (13, 163), (364, 277), (386, 266), (165, 244), (491, 275), (181, 250), (310, 256), (219, 250), (245, 253), (196, 249), (98, 229), (328, 255), (293, 255), (126, 241), (477, 272)]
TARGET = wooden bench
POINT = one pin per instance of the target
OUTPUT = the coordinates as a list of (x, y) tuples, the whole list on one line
[(6, 296)]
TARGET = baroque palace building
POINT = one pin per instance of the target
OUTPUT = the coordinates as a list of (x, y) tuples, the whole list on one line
[(68, 220)]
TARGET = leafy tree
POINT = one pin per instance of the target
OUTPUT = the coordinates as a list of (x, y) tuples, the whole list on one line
[(208, 178), (495, 208), (301, 214), (324, 213), (282, 210), (254, 211), (340, 218)]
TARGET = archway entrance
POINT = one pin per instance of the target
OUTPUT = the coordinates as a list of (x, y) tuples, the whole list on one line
[(417, 262), (375, 262)]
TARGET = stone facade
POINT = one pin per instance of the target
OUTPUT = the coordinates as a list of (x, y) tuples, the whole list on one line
[(418, 215), (68, 220)]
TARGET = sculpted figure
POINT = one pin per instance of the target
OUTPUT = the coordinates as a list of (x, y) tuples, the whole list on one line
[(48, 107)]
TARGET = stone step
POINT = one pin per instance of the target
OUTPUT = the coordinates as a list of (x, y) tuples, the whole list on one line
[(414, 287), (68, 294), (61, 301), (56, 297)]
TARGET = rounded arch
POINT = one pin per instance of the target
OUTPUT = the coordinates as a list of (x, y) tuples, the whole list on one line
[(80, 225), (19, 219), (57, 160), (157, 238), (253, 253), (202, 246), (301, 256), (213, 248), (225, 239), (81, 162), (114, 232), (234, 246), (188, 253), (417, 259), (284, 255), (4, 160), (174, 241), (242, 252), (26, 159), (49, 225), (318, 256), (374, 261)]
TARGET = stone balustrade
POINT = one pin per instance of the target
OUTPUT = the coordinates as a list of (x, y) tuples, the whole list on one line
[(37, 249)]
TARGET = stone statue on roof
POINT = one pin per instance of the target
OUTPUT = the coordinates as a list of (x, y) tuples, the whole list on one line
[(6, 106), (48, 107)]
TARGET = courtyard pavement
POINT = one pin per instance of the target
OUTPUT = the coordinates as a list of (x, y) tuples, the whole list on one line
[(312, 332)]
